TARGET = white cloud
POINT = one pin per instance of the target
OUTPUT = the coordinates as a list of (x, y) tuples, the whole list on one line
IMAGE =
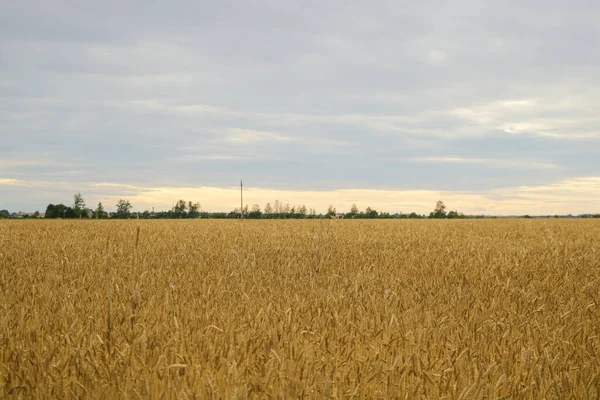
[(576, 196), (492, 162), (244, 136), (115, 185), (564, 118), (569, 196), (437, 57), (325, 95)]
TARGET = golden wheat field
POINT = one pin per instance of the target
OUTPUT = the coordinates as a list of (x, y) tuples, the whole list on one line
[(467, 309)]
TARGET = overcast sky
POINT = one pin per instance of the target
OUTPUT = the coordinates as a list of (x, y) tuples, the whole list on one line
[(491, 106)]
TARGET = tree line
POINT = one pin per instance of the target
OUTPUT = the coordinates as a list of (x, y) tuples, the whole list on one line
[(188, 209), (277, 210), (79, 210)]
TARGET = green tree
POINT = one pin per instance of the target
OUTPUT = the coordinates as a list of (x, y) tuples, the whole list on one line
[(440, 210), (51, 212), (79, 205), (302, 211), (255, 212), (353, 211), (371, 213), (268, 210), (99, 213), (193, 210), (331, 211), (123, 209), (179, 209), (60, 211), (277, 207)]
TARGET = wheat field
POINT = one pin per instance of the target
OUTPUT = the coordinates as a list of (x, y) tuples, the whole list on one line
[(471, 309)]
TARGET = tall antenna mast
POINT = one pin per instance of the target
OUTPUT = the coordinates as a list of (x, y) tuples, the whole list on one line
[(241, 199)]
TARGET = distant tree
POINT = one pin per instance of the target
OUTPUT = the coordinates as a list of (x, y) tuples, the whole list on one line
[(353, 211), (71, 213), (268, 210), (123, 209), (255, 212), (414, 215), (65, 211), (60, 211), (4, 214), (99, 212), (331, 211), (79, 205), (453, 215), (179, 209), (193, 210), (277, 207), (51, 211), (302, 211), (440, 210), (596, 216), (371, 213)]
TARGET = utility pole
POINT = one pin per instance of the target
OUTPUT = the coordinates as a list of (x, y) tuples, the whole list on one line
[(241, 199)]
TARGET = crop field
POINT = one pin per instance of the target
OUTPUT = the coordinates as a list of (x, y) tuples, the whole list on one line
[(206, 309)]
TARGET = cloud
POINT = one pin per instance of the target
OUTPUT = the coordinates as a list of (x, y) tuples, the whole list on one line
[(576, 196), (563, 118), (437, 57), (214, 157), (455, 98), (492, 162), (568, 187), (244, 136)]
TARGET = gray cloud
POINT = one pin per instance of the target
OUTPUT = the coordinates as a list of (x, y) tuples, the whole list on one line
[(306, 97)]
